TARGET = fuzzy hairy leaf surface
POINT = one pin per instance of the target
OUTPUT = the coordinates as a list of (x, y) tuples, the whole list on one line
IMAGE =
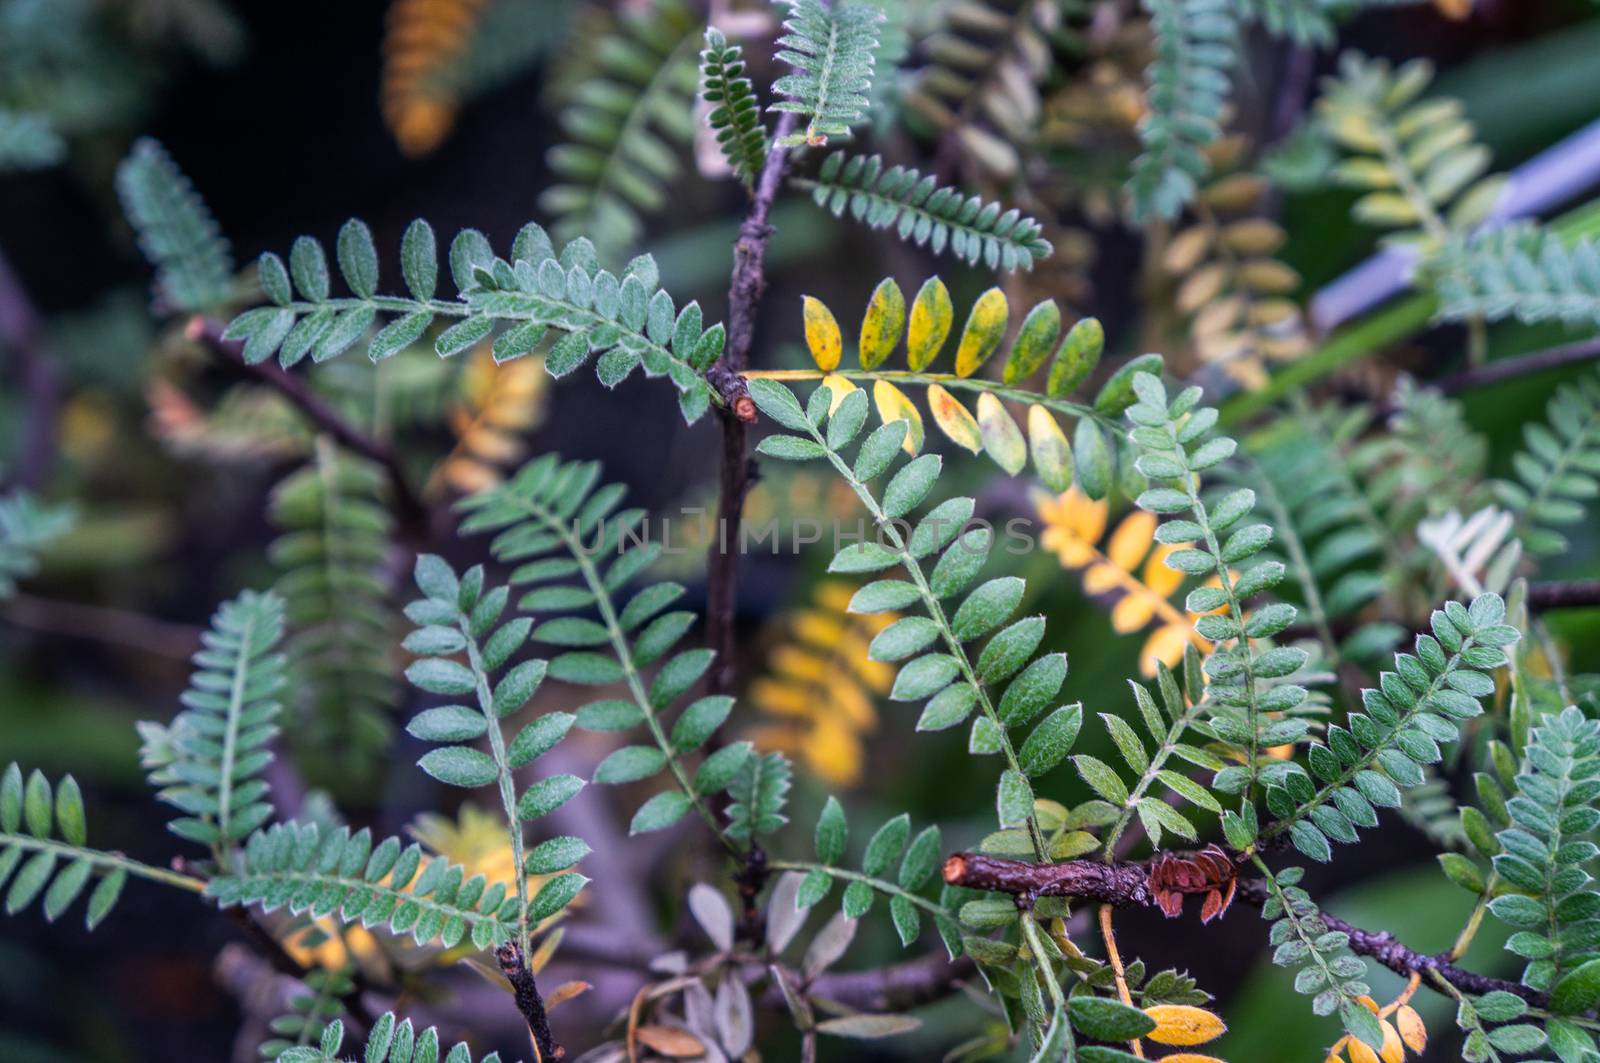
[(576, 552), (392, 1039), (628, 321), (1186, 90), (919, 210), (832, 49), (735, 115), (28, 141), (43, 852), (1557, 472), (194, 267), (210, 761)]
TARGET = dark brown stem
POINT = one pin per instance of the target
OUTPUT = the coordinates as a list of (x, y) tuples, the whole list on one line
[(738, 410), (896, 987), (116, 626), (409, 510), (36, 377), (529, 1002), (751, 879), (1128, 885), (1524, 365), (1571, 594)]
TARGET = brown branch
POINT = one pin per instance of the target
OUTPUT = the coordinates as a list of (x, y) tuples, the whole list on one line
[(412, 514), (1571, 594), (748, 281), (896, 987), (1130, 885), (36, 376), (529, 1002), (119, 627), (1504, 369)]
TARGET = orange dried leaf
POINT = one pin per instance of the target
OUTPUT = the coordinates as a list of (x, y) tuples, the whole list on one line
[(564, 992), (1412, 1030), (669, 1041), (1183, 1025)]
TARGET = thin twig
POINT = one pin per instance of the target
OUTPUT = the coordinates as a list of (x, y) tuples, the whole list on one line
[(1570, 594), (413, 516), (1128, 885), (36, 375), (738, 410), (1523, 365), (119, 627)]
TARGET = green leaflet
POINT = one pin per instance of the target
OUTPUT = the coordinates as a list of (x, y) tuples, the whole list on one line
[(194, 268), (832, 49), (626, 320)]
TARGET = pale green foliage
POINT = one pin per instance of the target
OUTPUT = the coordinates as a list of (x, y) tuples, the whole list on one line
[(757, 796), (922, 212), (26, 527), (554, 522), (28, 141), (1187, 89), (735, 114), (311, 1012), (1552, 900), (324, 871), (42, 842), (1327, 971), (890, 851), (209, 762), (832, 49), (625, 122), (1559, 471), (336, 537), (458, 617), (392, 1040), (1416, 708), (627, 320), (1171, 728), (1306, 22), (1248, 711), (1522, 271), (1416, 160), (194, 268), (938, 670)]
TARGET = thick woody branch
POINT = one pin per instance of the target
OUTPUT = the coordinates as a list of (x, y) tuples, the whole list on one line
[(1129, 885), (412, 514), (529, 1002), (1572, 594)]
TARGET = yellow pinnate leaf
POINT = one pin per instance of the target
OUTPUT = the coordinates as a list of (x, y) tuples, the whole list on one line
[(779, 698), (833, 751), (1132, 612), (795, 663), (1103, 579), (1052, 454), (850, 702), (1411, 1028), (1393, 1051), (1001, 436), (822, 334), (884, 322), (1183, 1025), (834, 594), (840, 387), (1132, 539), (985, 328), (1073, 523), (893, 405), (1159, 576), (1359, 1052), (821, 628), (953, 419), (931, 317)]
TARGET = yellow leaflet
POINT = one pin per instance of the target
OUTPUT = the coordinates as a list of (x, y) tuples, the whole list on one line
[(1072, 525), (1037, 336), (931, 317), (840, 386), (885, 321), (1001, 436), (953, 419), (1052, 454), (822, 334), (1183, 1025), (985, 328), (1132, 539), (1412, 1031), (893, 405)]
